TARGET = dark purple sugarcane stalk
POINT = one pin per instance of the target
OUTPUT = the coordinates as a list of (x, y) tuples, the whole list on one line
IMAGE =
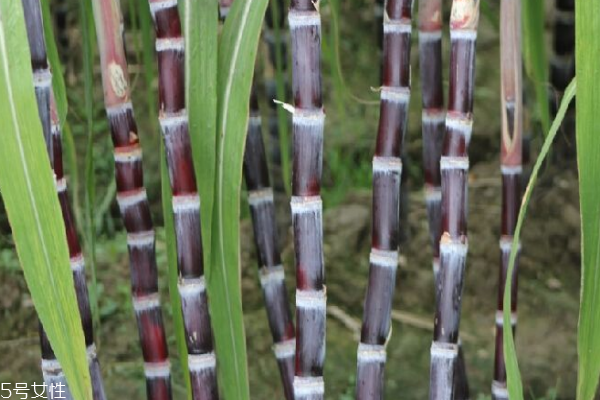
[(387, 171), (186, 201), (51, 368), (562, 67), (272, 278), (454, 166), (307, 209), (433, 127), (511, 168), (132, 199)]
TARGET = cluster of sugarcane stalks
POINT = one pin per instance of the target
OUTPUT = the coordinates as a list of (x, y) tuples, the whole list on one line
[(51, 127)]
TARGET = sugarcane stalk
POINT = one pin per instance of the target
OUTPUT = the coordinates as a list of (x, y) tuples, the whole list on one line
[(563, 60), (132, 199), (271, 272), (511, 168), (51, 368), (454, 166), (433, 127), (307, 210), (173, 119), (387, 171)]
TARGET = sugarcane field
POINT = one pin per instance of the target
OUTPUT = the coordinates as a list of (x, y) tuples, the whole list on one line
[(300, 199)]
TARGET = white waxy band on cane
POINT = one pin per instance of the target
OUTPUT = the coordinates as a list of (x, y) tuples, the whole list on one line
[(500, 318), (130, 199), (170, 44), (383, 258), (299, 19), (396, 26), (301, 205), (311, 299), (129, 156), (463, 34), (140, 239), (562, 60), (462, 125), (434, 116), (285, 349), (52, 367), (159, 5), (260, 196), (202, 362), (42, 78), (254, 121), (451, 247), (499, 390), (191, 287), (61, 185), (308, 386), (433, 194), (454, 163), (511, 169), (371, 353), (506, 244), (430, 36), (314, 118), (144, 303), (157, 369), (399, 95), (91, 352), (565, 17), (444, 350), (173, 120), (271, 275), (77, 263), (387, 165), (119, 109), (186, 203)]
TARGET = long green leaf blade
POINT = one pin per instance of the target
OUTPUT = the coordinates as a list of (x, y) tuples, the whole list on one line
[(535, 57), (237, 52), (201, 21), (515, 386), (58, 81), (29, 193), (587, 53)]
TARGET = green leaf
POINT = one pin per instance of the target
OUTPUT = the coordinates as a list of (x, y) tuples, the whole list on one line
[(29, 193), (88, 36), (515, 386), (58, 81), (171, 242), (587, 54), (201, 27), (148, 51), (237, 52), (534, 56)]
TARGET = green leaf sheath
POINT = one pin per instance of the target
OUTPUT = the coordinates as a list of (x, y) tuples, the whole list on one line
[(237, 53), (58, 81), (535, 57), (515, 386), (29, 194), (587, 54)]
